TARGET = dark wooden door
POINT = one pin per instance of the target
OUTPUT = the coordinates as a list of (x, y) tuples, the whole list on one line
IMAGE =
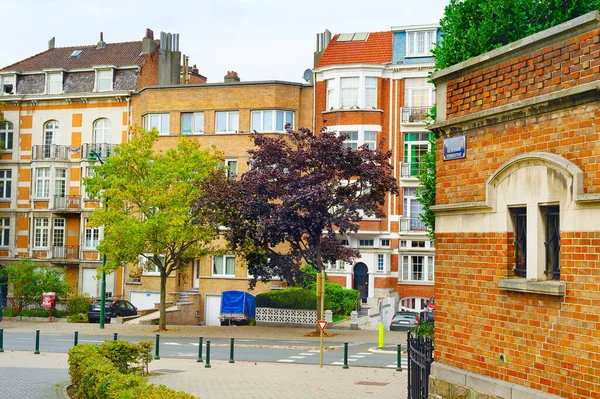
[(361, 281)]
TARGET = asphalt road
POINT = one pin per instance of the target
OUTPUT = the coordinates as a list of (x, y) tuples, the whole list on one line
[(255, 350)]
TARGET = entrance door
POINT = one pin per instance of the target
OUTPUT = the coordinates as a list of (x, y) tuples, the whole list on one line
[(196, 279), (90, 283), (361, 281), (212, 310)]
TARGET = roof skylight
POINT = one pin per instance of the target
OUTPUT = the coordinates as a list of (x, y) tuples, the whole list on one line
[(76, 53), (353, 37)]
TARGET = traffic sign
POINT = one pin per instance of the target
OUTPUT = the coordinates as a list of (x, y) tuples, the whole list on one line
[(322, 324)]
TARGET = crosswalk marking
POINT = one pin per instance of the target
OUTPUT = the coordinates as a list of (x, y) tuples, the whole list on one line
[(358, 356), (337, 363), (172, 343), (297, 357), (286, 360), (365, 353), (307, 354)]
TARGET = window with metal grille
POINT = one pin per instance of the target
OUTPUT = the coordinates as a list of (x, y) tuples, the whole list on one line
[(520, 222), (552, 241)]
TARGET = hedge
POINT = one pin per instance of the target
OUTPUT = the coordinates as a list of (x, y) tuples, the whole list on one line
[(114, 370), (337, 299)]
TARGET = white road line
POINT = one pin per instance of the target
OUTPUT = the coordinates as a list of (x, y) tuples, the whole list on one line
[(338, 363), (290, 361), (307, 354), (90, 340), (297, 357), (352, 360), (195, 344), (171, 343), (313, 351), (364, 353), (358, 356)]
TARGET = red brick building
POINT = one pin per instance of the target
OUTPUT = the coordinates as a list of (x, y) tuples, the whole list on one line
[(372, 86), (518, 219)]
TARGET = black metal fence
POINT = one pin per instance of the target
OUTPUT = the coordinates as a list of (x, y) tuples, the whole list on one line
[(420, 357)]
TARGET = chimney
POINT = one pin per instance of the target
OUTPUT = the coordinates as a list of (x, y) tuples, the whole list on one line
[(323, 40), (148, 43), (195, 69), (231, 77), (51, 44), (101, 43), (169, 59)]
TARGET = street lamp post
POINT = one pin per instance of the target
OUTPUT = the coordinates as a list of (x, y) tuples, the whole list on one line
[(92, 157)]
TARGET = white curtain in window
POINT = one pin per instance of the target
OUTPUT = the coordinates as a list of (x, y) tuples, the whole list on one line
[(371, 92), (349, 91), (230, 265)]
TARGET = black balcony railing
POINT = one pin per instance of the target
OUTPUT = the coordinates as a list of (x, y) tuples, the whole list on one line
[(409, 169), (52, 152), (411, 224), (415, 114), (103, 150), (65, 252), (72, 202)]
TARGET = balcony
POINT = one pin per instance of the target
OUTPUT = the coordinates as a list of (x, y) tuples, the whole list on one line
[(58, 252), (415, 114), (102, 149), (410, 225), (67, 203), (52, 152), (409, 169)]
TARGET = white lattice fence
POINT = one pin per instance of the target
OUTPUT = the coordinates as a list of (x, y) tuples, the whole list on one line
[(287, 316)]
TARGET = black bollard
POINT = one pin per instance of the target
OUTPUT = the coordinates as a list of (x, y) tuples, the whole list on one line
[(76, 338), (199, 350), (115, 336), (399, 366), (345, 355), (231, 352), (156, 350), (37, 342), (207, 364)]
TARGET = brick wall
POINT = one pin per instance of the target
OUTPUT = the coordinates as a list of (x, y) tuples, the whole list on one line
[(557, 66)]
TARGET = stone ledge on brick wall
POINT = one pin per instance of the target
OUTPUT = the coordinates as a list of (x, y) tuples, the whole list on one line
[(447, 382), (549, 287)]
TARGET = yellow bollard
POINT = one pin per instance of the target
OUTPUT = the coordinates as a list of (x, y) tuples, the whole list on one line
[(381, 331)]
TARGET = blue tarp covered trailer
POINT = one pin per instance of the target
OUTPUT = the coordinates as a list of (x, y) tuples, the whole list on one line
[(237, 307)]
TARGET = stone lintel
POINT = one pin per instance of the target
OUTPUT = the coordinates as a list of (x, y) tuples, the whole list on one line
[(546, 287)]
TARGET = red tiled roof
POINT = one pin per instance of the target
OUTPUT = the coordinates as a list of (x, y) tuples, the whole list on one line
[(377, 49), (118, 54)]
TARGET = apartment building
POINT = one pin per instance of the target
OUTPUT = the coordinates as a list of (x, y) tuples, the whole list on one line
[(373, 87), (60, 105), (222, 115)]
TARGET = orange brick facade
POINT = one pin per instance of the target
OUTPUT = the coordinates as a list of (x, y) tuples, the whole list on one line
[(547, 341)]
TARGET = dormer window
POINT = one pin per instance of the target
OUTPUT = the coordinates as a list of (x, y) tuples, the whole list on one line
[(76, 53), (104, 80), (8, 84), (54, 83), (420, 43)]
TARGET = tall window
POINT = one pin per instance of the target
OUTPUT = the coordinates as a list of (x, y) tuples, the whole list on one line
[(102, 131), (349, 92), (412, 209), (330, 100), (51, 132), (54, 83), (420, 43), (417, 268), (227, 122), (232, 168), (42, 182), (416, 145), (272, 120), (357, 139), (5, 183), (380, 262), (158, 121), (370, 93), (223, 265), (418, 92), (519, 216), (192, 122), (41, 232), (92, 236), (104, 80), (6, 135), (60, 183), (552, 241), (5, 233), (58, 233)]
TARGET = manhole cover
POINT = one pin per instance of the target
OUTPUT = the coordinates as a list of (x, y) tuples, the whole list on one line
[(167, 371), (372, 383)]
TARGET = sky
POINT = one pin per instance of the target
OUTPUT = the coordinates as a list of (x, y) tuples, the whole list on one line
[(259, 39)]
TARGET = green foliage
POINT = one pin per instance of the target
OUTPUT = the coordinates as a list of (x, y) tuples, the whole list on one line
[(78, 304), (114, 370), (77, 318), (289, 298), (424, 329), (29, 281), (473, 27), (340, 300), (149, 195), (426, 191)]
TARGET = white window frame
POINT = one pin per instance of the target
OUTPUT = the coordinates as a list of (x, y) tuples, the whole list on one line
[(59, 225), (224, 271), (356, 138), (6, 80), (330, 99), (149, 268), (366, 243), (423, 302), (102, 131), (41, 235), (260, 120), (418, 84), (54, 82), (5, 233), (5, 183), (229, 128), (371, 92), (232, 172), (407, 262), (7, 130), (42, 183), (413, 46), (349, 88), (381, 262), (95, 234), (60, 180), (104, 76), (160, 121), (197, 122)]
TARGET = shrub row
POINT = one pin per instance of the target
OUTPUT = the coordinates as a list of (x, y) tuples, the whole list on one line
[(340, 300), (337, 299), (113, 370)]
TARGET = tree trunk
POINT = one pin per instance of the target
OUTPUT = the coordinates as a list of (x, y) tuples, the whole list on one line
[(162, 322)]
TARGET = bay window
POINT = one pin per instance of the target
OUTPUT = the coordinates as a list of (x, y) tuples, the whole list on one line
[(417, 268)]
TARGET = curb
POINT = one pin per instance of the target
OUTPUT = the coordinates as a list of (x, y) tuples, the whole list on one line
[(383, 350)]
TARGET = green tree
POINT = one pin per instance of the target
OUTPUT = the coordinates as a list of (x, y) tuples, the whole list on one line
[(30, 280), (426, 192), (148, 194), (473, 27)]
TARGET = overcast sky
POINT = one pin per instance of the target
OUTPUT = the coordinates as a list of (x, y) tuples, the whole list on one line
[(260, 39)]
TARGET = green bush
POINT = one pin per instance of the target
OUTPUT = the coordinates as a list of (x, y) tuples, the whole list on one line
[(78, 304), (114, 370), (340, 300), (289, 298), (77, 318), (424, 329), (42, 313)]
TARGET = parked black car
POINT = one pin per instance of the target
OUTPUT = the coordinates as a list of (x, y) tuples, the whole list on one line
[(112, 309)]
